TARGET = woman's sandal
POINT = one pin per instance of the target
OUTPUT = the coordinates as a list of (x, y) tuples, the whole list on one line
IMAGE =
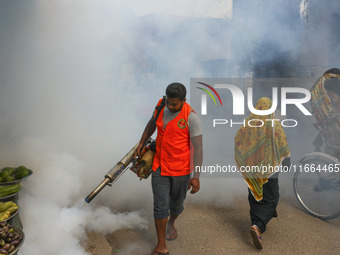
[(256, 235)]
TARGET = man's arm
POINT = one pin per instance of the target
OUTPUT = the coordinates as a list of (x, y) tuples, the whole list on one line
[(194, 182), (148, 131)]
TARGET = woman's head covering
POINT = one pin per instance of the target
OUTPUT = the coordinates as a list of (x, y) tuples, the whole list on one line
[(324, 110), (320, 100), (260, 148)]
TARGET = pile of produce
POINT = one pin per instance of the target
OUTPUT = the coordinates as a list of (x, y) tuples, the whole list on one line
[(6, 190), (10, 239), (7, 209), (9, 174)]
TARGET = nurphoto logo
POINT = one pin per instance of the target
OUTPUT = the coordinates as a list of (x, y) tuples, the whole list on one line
[(295, 97)]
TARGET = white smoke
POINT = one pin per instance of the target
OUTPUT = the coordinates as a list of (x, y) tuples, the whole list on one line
[(54, 212), (66, 107), (190, 8), (78, 82)]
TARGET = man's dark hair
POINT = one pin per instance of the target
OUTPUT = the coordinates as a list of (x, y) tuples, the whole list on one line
[(176, 90), (333, 83)]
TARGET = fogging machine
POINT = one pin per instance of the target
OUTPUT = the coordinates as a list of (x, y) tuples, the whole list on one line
[(142, 167)]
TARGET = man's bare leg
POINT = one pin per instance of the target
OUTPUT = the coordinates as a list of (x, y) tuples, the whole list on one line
[(161, 229), (171, 230)]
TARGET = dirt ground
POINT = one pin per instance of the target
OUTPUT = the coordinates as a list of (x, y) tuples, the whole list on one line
[(206, 229)]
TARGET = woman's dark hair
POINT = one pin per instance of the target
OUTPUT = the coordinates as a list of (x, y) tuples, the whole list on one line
[(333, 83), (176, 90)]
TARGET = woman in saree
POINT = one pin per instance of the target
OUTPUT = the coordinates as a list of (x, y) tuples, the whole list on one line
[(259, 152)]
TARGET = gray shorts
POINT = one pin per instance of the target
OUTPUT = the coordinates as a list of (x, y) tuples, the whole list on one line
[(169, 193)]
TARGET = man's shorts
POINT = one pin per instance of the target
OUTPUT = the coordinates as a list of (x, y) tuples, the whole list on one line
[(169, 193)]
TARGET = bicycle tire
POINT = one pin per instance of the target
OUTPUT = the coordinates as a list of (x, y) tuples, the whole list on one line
[(319, 200)]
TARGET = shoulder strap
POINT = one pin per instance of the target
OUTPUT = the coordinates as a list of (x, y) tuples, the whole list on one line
[(159, 108)]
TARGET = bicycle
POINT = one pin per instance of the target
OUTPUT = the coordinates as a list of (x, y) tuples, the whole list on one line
[(317, 185)]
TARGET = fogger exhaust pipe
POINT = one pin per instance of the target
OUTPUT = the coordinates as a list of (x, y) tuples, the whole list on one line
[(114, 173)]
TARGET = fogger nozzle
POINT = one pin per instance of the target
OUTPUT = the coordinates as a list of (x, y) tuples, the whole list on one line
[(114, 173)]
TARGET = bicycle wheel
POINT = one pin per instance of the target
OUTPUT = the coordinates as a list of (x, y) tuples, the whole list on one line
[(317, 185)]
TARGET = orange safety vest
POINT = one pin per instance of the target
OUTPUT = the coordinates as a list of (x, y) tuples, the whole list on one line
[(173, 144)]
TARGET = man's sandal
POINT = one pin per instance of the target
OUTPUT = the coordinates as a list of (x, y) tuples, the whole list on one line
[(170, 237), (161, 253)]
